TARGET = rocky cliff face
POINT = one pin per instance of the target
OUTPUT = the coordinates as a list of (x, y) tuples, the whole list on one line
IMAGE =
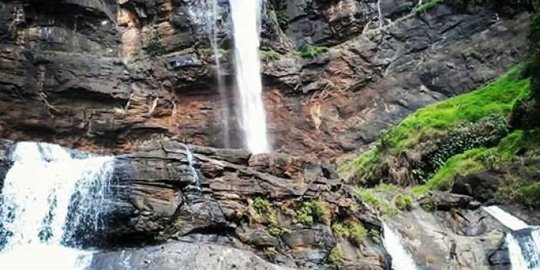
[(137, 77), (80, 73)]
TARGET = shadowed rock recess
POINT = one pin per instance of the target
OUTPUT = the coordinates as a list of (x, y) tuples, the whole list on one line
[(137, 79)]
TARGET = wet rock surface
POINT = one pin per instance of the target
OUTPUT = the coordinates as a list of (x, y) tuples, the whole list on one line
[(456, 239)]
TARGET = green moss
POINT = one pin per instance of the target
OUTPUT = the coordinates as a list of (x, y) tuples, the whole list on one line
[(377, 202), (270, 55), (496, 98), (480, 159), (429, 205), (491, 104), (387, 188), (335, 258), (403, 202), (311, 51), (312, 212), (459, 165), (420, 190)]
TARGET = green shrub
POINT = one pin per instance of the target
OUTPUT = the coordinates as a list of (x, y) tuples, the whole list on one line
[(353, 231), (375, 201), (268, 214), (262, 206), (357, 232), (335, 258), (271, 253), (311, 51), (452, 126), (479, 159), (403, 202), (312, 212), (154, 47), (270, 55)]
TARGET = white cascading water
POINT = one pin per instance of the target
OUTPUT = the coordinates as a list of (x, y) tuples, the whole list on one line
[(191, 164), (36, 225), (511, 222), (523, 241), (401, 259), (246, 25)]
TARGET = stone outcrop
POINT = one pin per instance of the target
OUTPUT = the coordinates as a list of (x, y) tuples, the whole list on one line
[(456, 239), (259, 202), (181, 256), (85, 78)]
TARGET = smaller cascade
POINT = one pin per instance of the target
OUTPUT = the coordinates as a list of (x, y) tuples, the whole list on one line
[(523, 241), (401, 259), (48, 195), (191, 164), (213, 31)]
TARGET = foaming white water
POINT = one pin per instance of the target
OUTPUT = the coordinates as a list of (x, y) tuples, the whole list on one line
[(524, 249), (35, 213), (523, 241), (401, 259), (41, 256), (246, 25), (513, 223)]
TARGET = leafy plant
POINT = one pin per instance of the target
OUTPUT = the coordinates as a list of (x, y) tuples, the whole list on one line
[(270, 253), (403, 202), (312, 212), (270, 55), (353, 231), (154, 47), (335, 258)]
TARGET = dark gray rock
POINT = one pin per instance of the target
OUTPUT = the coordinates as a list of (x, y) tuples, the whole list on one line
[(183, 256)]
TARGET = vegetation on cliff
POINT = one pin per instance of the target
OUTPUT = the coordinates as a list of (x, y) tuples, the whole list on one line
[(412, 151)]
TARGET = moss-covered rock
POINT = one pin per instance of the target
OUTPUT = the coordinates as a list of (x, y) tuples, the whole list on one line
[(412, 151)]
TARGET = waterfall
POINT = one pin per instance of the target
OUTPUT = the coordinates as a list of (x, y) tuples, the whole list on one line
[(401, 259), (513, 223), (213, 31), (47, 195), (246, 25), (523, 241), (191, 164)]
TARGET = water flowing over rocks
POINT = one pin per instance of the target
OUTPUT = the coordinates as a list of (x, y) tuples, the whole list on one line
[(252, 202)]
